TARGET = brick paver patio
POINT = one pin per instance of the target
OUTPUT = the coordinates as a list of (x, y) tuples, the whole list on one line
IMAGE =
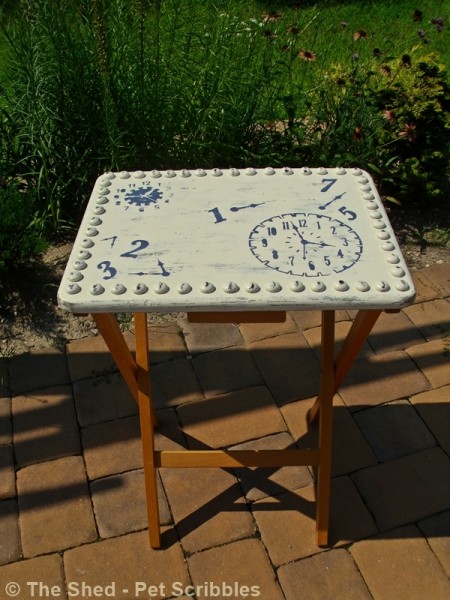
[(72, 505)]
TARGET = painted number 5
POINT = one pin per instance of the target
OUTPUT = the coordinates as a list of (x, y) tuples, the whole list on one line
[(351, 216)]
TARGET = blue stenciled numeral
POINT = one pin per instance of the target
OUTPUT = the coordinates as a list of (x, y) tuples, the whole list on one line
[(351, 216), (113, 240), (141, 245), (106, 267), (217, 215), (329, 184)]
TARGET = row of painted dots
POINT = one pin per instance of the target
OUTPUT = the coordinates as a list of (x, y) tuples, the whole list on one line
[(232, 287), (378, 224), (233, 172), (273, 287)]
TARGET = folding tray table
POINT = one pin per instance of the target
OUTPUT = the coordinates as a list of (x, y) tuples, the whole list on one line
[(236, 246)]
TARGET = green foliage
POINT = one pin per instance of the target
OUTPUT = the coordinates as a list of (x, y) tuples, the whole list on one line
[(386, 112), (20, 241), (414, 151), (97, 85)]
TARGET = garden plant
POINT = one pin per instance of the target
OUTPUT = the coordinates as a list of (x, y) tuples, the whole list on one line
[(95, 85)]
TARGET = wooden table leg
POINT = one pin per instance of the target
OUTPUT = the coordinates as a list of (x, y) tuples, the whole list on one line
[(325, 427), (147, 420), (110, 331), (358, 334), (136, 374)]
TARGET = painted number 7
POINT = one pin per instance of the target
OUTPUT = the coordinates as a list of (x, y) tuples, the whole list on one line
[(330, 182)]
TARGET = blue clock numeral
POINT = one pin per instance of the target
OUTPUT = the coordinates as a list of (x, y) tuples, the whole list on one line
[(327, 187), (348, 213), (141, 245), (105, 265), (217, 215)]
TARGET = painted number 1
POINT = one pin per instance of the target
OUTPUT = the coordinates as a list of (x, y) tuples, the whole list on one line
[(217, 215)]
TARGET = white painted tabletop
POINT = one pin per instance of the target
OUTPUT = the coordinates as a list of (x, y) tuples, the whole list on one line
[(250, 239)]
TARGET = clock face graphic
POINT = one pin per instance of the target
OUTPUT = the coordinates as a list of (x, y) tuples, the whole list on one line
[(305, 244)]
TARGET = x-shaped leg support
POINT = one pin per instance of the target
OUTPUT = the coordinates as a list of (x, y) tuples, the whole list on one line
[(136, 373)]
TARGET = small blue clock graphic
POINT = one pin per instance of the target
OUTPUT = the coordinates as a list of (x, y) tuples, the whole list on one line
[(143, 196)]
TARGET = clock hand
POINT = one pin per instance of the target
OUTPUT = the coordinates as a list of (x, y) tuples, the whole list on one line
[(164, 271), (306, 242), (302, 240), (321, 244), (236, 208), (323, 206), (295, 228)]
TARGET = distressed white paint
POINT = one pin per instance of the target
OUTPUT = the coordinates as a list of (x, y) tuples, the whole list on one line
[(251, 239)]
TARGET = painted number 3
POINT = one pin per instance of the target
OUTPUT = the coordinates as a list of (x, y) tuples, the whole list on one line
[(108, 269)]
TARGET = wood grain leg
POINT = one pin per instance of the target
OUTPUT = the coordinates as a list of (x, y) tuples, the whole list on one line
[(358, 334), (110, 331), (147, 419), (325, 427)]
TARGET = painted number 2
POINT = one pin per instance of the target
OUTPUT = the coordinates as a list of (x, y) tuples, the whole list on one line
[(140, 245), (110, 271)]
